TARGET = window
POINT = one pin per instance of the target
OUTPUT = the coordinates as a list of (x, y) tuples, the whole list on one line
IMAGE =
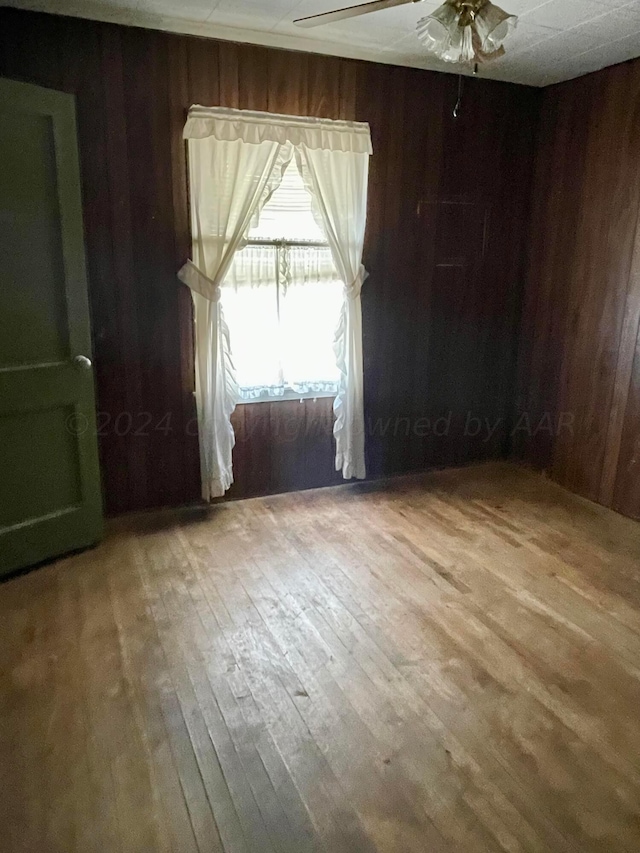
[(286, 283), (282, 300)]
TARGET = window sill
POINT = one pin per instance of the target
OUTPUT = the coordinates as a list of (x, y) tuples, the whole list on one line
[(288, 396)]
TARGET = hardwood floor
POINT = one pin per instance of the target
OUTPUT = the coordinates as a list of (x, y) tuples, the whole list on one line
[(448, 662)]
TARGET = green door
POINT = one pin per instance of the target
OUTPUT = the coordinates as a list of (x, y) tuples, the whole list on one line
[(50, 499)]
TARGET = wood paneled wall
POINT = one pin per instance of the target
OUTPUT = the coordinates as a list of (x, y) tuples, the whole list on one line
[(446, 225), (580, 347)]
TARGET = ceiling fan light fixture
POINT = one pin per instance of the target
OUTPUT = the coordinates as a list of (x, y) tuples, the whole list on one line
[(466, 30)]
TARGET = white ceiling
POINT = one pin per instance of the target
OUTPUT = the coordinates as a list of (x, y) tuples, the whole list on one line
[(555, 39)]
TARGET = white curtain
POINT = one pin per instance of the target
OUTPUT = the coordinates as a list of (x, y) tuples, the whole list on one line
[(236, 161), (229, 180), (338, 183)]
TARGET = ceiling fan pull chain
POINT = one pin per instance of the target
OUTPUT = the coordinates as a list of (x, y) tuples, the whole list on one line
[(456, 109)]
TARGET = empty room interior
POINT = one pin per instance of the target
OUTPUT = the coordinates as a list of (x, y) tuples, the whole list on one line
[(320, 426)]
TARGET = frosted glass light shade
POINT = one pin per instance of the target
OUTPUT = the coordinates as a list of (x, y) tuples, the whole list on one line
[(480, 40), (493, 25)]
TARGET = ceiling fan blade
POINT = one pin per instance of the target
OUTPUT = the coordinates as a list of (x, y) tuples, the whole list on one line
[(350, 12)]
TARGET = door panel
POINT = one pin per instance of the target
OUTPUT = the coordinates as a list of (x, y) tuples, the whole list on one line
[(32, 246), (49, 479), (51, 482)]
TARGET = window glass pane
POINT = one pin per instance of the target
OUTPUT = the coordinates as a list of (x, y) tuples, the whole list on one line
[(282, 302), (308, 320), (282, 307), (250, 304), (288, 214)]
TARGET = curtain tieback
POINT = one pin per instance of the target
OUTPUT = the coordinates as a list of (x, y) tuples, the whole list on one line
[(351, 291), (196, 280)]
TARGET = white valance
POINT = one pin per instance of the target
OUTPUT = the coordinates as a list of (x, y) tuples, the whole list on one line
[(229, 125)]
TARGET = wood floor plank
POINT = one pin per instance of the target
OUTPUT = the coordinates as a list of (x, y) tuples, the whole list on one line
[(121, 749), (274, 685), (445, 662), (483, 643), (351, 666), (420, 656), (145, 672)]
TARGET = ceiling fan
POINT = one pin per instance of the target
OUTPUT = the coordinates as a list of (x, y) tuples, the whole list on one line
[(458, 31)]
